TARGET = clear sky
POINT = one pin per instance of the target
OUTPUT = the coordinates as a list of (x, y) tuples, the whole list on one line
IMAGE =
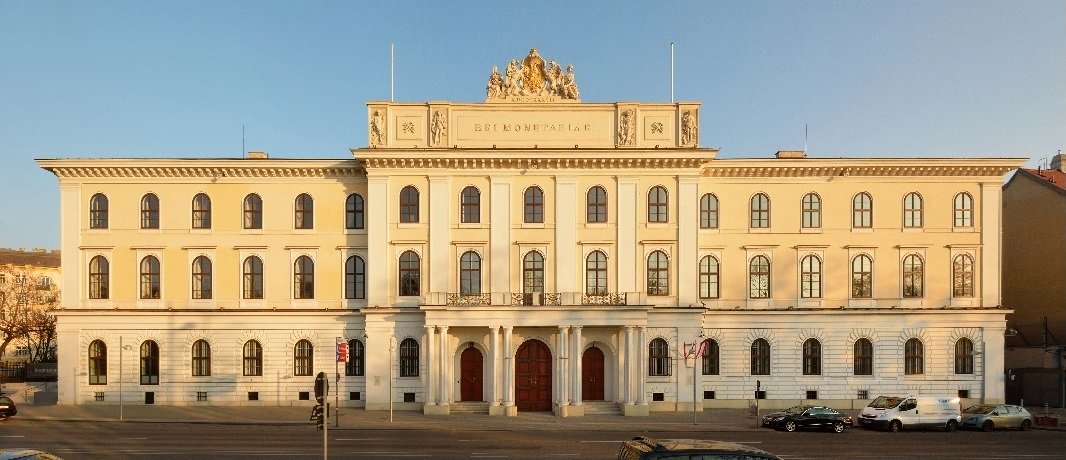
[(179, 79)]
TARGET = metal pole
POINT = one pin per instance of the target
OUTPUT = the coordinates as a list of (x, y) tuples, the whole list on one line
[(391, 353), (120, 353), (695, 375), (671, 72), (337, 392), (325, 426)]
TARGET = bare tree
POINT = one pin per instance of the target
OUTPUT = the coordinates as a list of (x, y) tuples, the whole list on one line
[(26, 302)]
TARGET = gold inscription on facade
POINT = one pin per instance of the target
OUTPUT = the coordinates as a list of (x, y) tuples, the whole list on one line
[(531, 127)]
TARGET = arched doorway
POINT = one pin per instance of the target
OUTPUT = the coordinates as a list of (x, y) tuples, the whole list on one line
[(533, 377), (592, 375), (471, 375)]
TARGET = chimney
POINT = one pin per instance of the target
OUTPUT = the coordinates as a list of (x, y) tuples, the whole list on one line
[(257, 156), (1057, 163), (791, 154)]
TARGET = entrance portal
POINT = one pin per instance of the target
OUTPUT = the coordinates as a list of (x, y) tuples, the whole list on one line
[(471, 375), (592, 375), (533, 377)]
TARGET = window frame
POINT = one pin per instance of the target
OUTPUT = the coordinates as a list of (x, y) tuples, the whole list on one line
[(862, 210), (201, 211), (252, 358), (409, 269), (812, 357), (811, 277), (862, 277), (201, 358), (355, 278), (149, 212), (409, 205), (962, 276), (355, 212), (710, 277), (252, 212), (913, 282), (303, 212), (708, 211), (759, 206), (98, 212), (409, 357), (963, 210), (596, 205), (470, 273), (532, 272), (252, 277), (659, 358), (760, 356), (97, 359), (914, 357), (964, 356), (99, 278), (657, 267), (356, 364), (470, 205), (658, 205), (149, 363), (303, 278), (811, 211), (150, 277), (756, 279), (202, 278), (533, 205), (863, 357), (711, 359), (303, 358), (596, 281)]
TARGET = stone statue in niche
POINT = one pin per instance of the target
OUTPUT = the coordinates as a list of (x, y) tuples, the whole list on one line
[(625, 128), (439, 127), (495, 89), (688, 128), (377, 128)]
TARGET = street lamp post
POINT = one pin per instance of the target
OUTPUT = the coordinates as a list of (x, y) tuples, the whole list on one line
[(121, 369), (696, 368)]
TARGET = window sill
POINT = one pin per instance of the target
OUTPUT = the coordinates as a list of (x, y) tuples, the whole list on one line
[(913, 229), (862, 230), (811, 230), (595, 224), (963, 230), (355, 231), (532, 225), (759, 230)]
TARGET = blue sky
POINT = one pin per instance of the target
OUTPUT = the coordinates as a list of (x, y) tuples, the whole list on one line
[(178, 79)]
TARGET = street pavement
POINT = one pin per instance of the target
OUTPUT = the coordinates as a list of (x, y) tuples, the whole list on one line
[(718, 420)]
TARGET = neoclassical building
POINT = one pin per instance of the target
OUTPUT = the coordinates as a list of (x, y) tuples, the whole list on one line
[(530, 253)]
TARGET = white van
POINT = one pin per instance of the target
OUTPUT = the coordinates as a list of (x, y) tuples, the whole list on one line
[(898, 412)]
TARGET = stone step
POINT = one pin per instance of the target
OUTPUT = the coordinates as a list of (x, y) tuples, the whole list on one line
[(469, 408), (602, 408)]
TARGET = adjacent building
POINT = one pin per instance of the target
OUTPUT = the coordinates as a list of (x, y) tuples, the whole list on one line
[(18, 269), (531, 253)]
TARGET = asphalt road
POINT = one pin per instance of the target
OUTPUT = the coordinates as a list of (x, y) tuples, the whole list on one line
[(114, 440)]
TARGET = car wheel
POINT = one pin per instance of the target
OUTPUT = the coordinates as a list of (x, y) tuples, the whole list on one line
[(895, 426), (1026, 424), (988, 426), (952, 426), (838, 427), (790, 426)]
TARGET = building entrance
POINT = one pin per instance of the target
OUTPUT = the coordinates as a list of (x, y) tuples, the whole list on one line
[(592, 375), (533, 377), (471, 374)]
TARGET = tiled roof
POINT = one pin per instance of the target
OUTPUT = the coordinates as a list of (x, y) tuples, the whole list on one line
[(1052, 176), (35, 258)]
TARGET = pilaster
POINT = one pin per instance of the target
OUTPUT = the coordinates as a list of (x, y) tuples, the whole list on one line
[(686, 261), (566, 250), (500, 236), (627, 234), (378, 250), (991, 244), (440, 212)]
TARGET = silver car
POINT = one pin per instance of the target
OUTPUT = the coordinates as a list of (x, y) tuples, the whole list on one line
[(988, 417)]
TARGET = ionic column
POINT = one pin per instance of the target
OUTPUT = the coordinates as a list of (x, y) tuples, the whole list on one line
[(561, 367), (432, 368), (445, 397), (627, 374), (575, 396), (494, 397), (642, 368), (508, 369)]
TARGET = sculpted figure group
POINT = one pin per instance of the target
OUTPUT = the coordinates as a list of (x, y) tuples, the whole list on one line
[(530, 77)]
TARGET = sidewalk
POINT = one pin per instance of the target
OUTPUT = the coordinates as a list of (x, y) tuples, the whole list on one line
[(717, 420)]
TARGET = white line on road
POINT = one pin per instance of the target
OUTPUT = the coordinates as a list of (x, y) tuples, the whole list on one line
[(356, 439), (12, 436), (135, 439), (603, 441)]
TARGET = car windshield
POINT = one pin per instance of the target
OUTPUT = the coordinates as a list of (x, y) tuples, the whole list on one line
[(885, 402), (5, 400), (979, 409), (796, 409)]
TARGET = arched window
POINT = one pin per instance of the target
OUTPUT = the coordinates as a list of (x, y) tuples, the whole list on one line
[(253, 278), (304, 212), (760, 211), (912, 210), (658, 274), (304, 358), (150, 278), (201, 211), (760, 357), (963, 210), (596, 273), (962, 276), (658, 358), (532, 272), (862, 277), (354, 212), (409, 205), (97, 363), (149, 363), (709, 276), (149, 211), (98, 278), (811, 277), (658, 205), (862, 211), (470, 205), (98, 211), (759, 278), (303, 278), (355, 278), (409, 358), (913, 276), (253, 212), (596, 205), (470, 273), (710, 357), (709, 211), (253, 358), (201, 278), (811, 211), (812, 357), (914, 357), (356, 359), (201, 358), (964, 356), (864, 357), (533, 200), (410, 274)]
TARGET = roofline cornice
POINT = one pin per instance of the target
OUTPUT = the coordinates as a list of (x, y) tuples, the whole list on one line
[(156, 168), (862, 167)]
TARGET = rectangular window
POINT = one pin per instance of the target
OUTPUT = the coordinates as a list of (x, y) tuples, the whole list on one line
[(964, 393), (409, 397), (353, 395), (201, 396), (98, 396), (811, 394), (863, 394), (304, 396), (708, 394), (761, 394), (658, 397), (253, 395)]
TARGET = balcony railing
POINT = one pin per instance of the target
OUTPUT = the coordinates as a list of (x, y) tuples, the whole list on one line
[(605, 299), (533, 299), (469, 299), (536, 298)]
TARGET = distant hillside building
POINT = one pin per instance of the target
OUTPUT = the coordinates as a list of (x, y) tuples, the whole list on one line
[(1034, 282), (531, 253)]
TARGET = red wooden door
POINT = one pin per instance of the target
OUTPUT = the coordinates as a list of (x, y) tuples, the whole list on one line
[(471, 375), (533, 377), (592, 375)]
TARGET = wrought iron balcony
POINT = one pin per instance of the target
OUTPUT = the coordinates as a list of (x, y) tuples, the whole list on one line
[(536, 298)]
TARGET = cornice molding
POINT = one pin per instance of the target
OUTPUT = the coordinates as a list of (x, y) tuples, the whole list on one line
[(191, 168), (534, 163)]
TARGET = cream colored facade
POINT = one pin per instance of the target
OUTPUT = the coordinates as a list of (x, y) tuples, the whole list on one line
[(502, 148)]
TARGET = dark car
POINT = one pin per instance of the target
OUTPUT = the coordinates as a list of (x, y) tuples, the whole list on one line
[(646, 448), (816, 417), (7, 407)]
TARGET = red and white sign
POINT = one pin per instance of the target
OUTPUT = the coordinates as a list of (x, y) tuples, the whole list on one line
[(342, 352)]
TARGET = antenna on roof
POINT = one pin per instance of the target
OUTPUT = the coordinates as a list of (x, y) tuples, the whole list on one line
[(392, 72), (242, 140), (671, 72), (805, 138)]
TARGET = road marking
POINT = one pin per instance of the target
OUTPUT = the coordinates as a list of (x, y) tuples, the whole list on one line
[(12, 436), (356, 439), (135, 439)]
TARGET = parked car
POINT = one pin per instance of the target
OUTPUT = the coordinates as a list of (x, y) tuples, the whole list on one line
[(7, 407), (899, 412), (26, 454), (816, 417), (988, 417), (646, 448)]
